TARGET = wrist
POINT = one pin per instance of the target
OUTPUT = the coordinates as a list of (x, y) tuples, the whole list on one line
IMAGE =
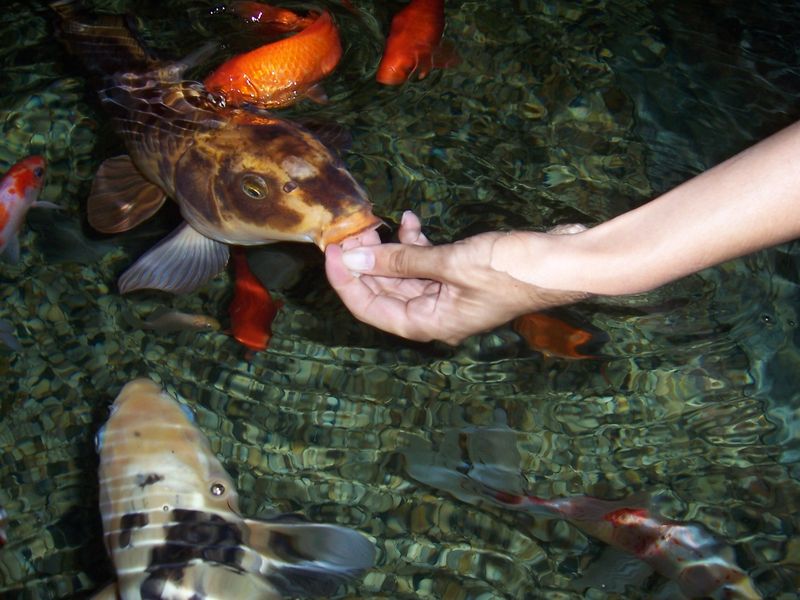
[(592, 262)]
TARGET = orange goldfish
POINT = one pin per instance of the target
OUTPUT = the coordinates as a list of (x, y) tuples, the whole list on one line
[(701, 565), (272, 19), (19, 189), (252, 309), (555, 337), (415, 43), (279, 73)]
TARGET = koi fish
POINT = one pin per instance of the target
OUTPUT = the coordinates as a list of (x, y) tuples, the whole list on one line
[(19, 190), (281, 72), (171, 521), (237, 177), (701, 565), (252, 309), (481, 464), (415, 43), (169, 320), (552, 336)]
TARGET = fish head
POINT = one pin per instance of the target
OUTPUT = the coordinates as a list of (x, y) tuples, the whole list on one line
[(396, 67), (26, 178), (154, 458), (259, 179)]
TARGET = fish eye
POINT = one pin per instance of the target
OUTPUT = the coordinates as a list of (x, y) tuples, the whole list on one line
[(254, 186), (38, 172), (217, 489)]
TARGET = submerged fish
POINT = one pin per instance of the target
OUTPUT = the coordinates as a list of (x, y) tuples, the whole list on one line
[(688, 554), (271, 19), (482, 464), (167, 320), (238, 178), (553, 336), (279, 73), (171, 522), (415, 44), (19, 190), (252, 309)]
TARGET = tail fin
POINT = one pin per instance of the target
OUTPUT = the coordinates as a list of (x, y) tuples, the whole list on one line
[(106, 44), (309, 558)]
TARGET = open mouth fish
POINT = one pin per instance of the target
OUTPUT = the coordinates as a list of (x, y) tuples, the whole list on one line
[(237, 177), (171, 521)]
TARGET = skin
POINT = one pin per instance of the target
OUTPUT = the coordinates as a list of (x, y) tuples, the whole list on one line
[(448, 292)]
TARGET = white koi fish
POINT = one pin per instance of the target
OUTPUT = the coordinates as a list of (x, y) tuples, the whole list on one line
[(172, 525)]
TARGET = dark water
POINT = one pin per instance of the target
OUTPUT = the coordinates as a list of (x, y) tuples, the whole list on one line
[(558, 112)]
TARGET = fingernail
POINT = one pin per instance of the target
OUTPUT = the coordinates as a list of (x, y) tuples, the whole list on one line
[(404, 217), (358, 260)]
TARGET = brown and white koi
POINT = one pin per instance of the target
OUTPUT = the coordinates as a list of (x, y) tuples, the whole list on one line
[(172, 525), (238, 177)]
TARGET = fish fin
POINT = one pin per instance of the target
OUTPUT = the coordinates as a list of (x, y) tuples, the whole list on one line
[(179, 264), (106, 44), (121, 198), (316, 93), (309, 558), (47, 205), (337, 138), (613, 571), (175, 70), (107, 593), (11, 252)]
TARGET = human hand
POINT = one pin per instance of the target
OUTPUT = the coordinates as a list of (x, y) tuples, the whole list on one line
[(424, 292)]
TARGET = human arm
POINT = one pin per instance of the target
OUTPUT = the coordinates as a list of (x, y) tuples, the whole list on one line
[(749, 202)]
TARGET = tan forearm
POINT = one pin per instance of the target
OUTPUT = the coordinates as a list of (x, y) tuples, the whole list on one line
[(746, 203)]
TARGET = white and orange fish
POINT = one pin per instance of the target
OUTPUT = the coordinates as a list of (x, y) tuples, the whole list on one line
[(171, 520), (686, 553), (481, 464), (19, 190)]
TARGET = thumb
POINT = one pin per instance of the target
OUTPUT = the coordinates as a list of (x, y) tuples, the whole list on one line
[(396, 260)]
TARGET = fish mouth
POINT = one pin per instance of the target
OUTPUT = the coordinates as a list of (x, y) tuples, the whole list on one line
[(348, 226)]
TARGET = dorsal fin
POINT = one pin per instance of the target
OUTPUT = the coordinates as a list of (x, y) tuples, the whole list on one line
[(106, 44)]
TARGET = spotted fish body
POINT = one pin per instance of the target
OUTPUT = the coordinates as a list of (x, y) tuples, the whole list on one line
[(238, 177), (171, 521), (19, 189)]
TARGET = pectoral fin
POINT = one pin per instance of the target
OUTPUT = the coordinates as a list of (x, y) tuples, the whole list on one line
[(309, 558), (121, 198), (179, 264)]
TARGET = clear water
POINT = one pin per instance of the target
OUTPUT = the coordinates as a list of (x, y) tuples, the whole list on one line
[(559, 112)]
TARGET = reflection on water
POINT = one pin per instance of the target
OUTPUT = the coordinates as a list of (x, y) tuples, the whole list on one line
[(558, 112)]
